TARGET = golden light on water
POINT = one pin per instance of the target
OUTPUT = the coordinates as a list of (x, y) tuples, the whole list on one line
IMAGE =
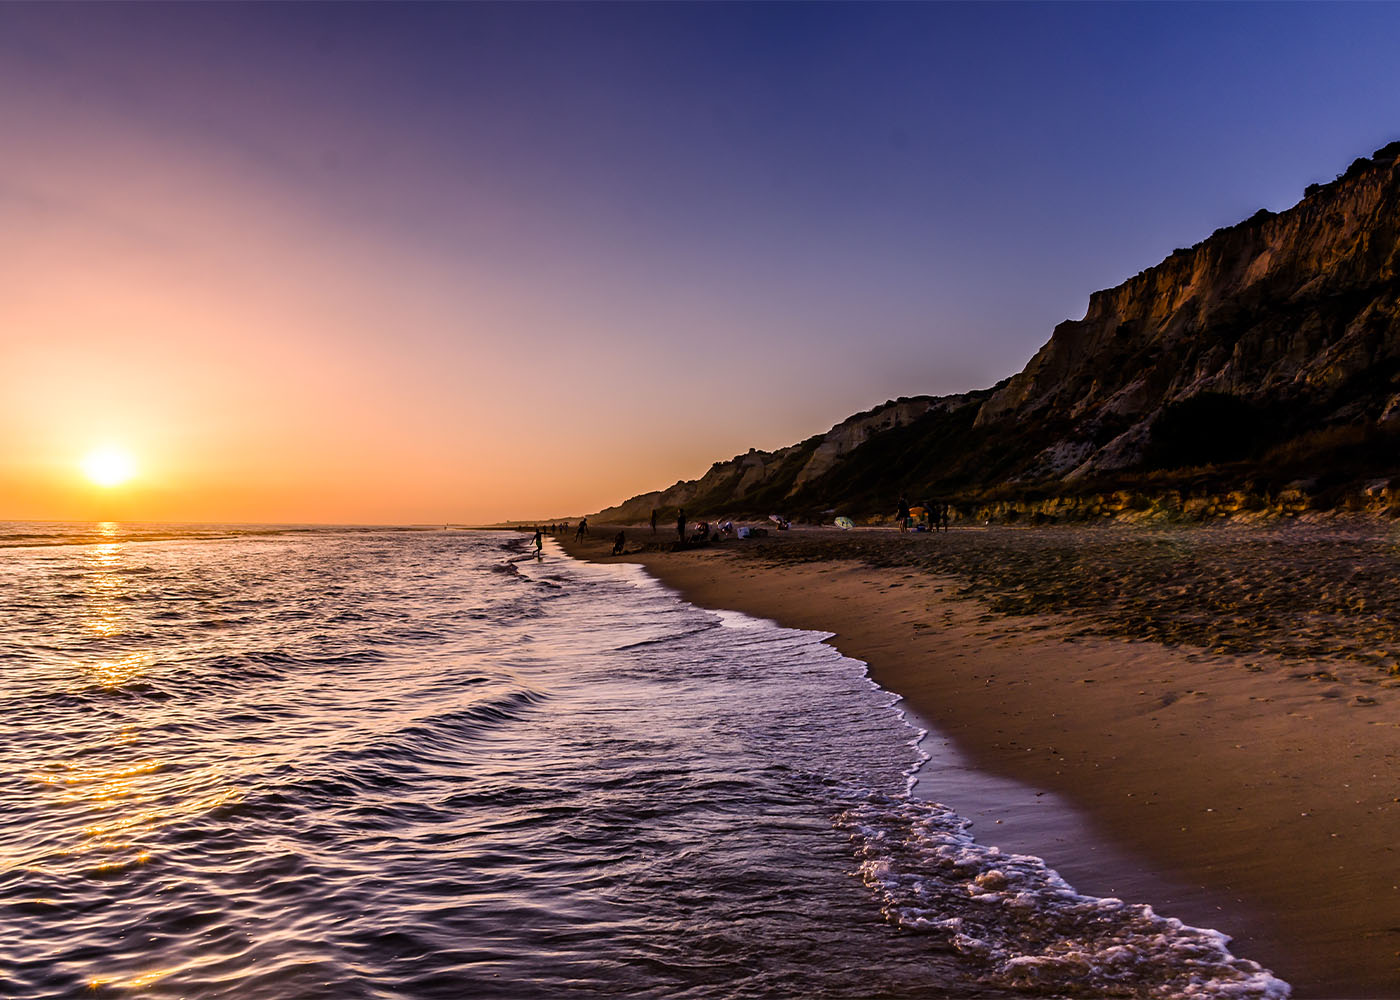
[(109, 466), (105, 615), (134, 982)]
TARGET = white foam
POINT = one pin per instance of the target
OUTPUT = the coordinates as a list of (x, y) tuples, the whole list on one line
[(1011, 915), (1024, 925)]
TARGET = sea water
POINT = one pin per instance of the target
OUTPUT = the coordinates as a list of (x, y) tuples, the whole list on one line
[(330, 763)]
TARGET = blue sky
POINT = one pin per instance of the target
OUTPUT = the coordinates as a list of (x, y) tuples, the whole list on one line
[(694, 228)]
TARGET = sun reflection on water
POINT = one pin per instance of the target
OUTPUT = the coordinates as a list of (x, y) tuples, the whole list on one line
[(106, 616), (133, 800), (105, 585), (115, 796), (116, 673), (138, 982), (99, 785)]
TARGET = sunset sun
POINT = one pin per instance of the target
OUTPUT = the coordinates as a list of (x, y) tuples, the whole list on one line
[(109, 466)]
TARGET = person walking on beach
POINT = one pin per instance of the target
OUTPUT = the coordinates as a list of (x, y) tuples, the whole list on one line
[(619, 543), (903, 515), (653, 520), (680, 523), (582, 529), (539, 542), (944, 508)]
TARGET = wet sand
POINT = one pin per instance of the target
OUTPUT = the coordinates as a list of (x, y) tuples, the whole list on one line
[(1216, 701)]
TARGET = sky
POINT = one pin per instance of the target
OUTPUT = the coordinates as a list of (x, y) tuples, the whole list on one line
[(400, 263)]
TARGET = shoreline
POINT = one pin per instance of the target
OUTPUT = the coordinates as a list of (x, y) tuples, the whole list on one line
[(1239, 792)]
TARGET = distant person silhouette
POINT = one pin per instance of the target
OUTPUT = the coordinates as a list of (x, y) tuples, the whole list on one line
[(582, 528), (539, 541), (902, 515), (619, 543)]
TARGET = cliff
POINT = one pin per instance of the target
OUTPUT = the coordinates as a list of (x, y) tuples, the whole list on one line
[(1295, 311), (760, 480), (1264, 359)]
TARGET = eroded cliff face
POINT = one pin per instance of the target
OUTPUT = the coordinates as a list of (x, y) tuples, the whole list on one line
[(1286, 308), (1265, 358), (774, 477), (855, 431)]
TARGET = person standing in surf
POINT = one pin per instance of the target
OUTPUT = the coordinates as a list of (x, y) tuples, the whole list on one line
[(539, 542)]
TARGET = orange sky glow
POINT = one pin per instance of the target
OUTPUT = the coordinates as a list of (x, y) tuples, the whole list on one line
[(430, 263), (265, 363)]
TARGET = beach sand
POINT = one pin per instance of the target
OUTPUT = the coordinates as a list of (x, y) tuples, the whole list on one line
[(1218, 703)]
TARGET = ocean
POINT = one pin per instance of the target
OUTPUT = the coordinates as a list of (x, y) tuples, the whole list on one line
[(371, 763)]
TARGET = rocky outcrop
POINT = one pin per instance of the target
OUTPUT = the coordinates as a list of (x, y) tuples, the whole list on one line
[(1279, 310), (853, 432), (1264, 357), (759, 480)]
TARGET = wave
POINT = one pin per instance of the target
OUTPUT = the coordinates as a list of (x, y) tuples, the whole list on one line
[(595, 785), (31, 534), (1027, 928), (664, 639)]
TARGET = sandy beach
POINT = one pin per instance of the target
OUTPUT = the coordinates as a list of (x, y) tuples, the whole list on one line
[(1218, 702)]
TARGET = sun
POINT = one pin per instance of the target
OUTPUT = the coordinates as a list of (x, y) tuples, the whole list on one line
[(109, 466)]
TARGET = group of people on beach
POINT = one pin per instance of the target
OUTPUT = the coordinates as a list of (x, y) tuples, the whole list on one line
[(562, 530), (701, 529), (930, 516), (680, 521)]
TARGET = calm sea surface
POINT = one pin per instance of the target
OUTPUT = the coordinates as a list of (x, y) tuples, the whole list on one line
[(328, 763)]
